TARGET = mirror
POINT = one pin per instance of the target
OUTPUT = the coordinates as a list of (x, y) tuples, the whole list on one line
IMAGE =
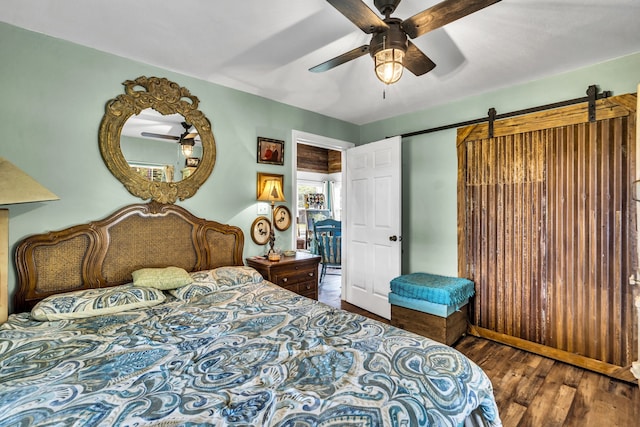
[(142, 135), (152, 144)]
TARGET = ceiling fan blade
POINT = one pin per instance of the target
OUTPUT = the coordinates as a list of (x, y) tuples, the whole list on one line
[(360, 14), (416, 61), (339, 60), (159, 135), (442, 14)]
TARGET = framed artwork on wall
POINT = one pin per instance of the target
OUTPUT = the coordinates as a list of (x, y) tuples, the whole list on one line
[(281, 218), (192, 162), (270, 151), (260, 230)]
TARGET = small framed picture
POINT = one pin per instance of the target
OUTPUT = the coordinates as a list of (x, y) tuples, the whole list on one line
[(270, 151), (192, 162), (281, 218), (261, 230)]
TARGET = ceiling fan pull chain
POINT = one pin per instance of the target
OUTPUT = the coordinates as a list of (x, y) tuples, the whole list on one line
[(384, 88)]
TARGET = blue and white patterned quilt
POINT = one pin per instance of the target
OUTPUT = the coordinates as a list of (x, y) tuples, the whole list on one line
[(253, 354)]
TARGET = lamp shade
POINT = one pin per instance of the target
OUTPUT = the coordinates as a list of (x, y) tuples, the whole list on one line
[(272, 191), (18, 187), (635, 189)]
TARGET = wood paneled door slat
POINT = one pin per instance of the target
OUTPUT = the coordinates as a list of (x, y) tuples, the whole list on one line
[(547, 231)]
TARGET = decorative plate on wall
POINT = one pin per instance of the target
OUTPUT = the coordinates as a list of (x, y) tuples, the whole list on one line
[(282, 218)]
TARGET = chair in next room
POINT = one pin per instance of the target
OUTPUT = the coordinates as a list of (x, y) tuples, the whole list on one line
[(328, 236)]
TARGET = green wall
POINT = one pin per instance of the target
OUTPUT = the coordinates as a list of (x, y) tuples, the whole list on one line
[(430, 160), (53, 98)]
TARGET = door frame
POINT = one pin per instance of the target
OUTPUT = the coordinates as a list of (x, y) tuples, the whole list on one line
[(300, 137)]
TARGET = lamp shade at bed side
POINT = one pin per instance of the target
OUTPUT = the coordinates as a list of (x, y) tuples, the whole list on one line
[(15, 187), (270, 190)]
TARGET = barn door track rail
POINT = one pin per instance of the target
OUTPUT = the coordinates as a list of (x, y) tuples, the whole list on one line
[(593, 95)]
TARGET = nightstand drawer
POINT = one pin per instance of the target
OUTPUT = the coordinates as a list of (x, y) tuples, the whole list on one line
[(288, 278), (308, 289)]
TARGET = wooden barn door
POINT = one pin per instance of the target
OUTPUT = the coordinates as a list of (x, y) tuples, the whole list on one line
[(547, 232)]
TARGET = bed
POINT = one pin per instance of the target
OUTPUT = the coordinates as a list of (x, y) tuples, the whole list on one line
[(226, 348)]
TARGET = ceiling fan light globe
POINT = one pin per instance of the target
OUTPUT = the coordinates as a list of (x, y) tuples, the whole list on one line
[(388, 65), (187, 149)]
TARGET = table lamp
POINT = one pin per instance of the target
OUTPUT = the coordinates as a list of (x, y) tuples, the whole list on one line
[(271, 191), (15, 187)]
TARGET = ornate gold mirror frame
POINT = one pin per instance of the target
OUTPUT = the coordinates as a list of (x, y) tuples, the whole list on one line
[(166, 97)]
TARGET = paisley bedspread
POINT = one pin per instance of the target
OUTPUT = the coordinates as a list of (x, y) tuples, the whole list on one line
[(251, 355)]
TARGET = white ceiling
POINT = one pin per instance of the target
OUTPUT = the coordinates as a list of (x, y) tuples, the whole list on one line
[(266, 47)]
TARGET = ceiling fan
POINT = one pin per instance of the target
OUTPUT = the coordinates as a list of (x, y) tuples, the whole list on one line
[(390, 46), (186, 135), (186, 140)]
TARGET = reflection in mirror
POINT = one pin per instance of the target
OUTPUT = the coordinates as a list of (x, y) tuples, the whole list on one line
[(156, 142), (162, 148)]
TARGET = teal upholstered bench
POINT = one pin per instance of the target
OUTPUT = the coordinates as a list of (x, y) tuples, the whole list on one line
[(431, 305)]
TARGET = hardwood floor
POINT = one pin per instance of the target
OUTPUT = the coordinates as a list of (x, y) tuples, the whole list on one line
[(532, 390)]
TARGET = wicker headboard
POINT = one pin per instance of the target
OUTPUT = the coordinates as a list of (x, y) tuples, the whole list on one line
[(104, 253)]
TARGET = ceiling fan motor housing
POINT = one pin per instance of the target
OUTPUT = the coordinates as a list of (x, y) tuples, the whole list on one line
[(386, 7), (393, 38)]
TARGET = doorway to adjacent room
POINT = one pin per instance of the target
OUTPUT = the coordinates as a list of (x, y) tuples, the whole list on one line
[(317, 186)]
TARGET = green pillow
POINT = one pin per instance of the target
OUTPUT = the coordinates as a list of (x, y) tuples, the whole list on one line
[(161, 278)]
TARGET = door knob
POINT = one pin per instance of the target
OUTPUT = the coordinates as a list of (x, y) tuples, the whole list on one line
[(393, 238)]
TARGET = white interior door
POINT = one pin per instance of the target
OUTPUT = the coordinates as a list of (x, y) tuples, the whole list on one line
[(373, 249)]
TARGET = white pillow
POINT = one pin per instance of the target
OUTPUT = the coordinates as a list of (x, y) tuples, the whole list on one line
[(95, 302)]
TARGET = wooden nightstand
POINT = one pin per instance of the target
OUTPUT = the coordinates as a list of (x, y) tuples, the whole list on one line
[(298, 273)]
